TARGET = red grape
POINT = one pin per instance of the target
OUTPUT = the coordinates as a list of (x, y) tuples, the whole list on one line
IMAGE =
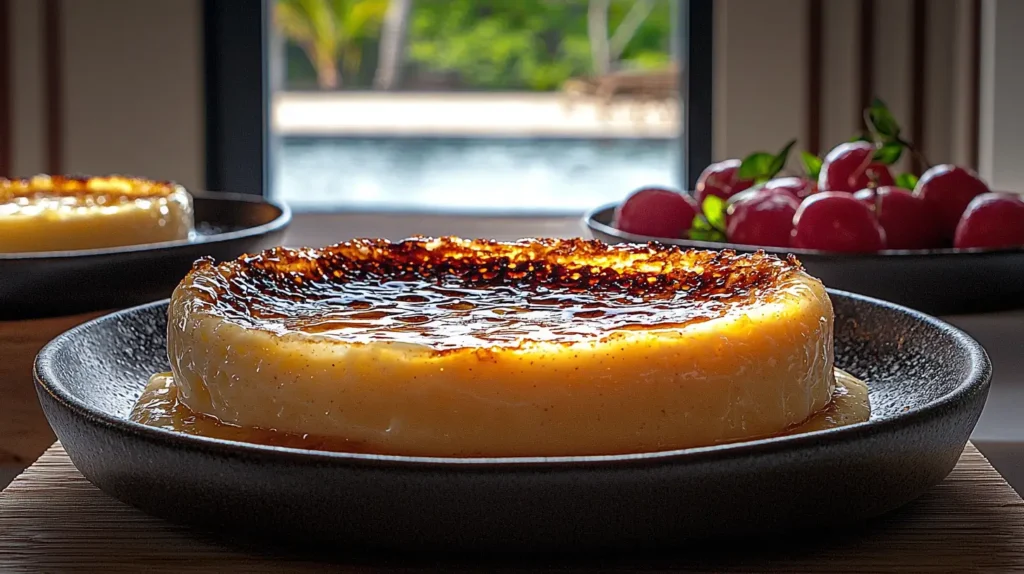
[(799, 187), (721, 179), (949, 189), (848, 167), (909, 222), (992, 220), (835, 221), (763, 218), (656, 212), (795, 187)]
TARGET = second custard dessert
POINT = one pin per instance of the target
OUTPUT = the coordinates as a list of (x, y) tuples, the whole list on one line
[(58, 213), (453, 347)]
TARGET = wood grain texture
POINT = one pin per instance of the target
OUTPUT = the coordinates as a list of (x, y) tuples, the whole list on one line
[(24, 432), (53, 520)]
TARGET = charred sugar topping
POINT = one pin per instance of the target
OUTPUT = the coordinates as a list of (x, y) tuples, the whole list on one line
[(83, 191), (452, 293)]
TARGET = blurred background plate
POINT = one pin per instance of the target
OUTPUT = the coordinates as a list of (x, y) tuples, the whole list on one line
[(50, 284), (937, 282)]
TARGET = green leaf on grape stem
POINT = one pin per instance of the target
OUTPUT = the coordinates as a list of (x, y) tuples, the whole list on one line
[(713, 235), (702, 231), (779, 161), (812, 164), (714, 212), (761, 166), (755, 165), (860, 138), (906, 181), (889, 153), (880, 120)]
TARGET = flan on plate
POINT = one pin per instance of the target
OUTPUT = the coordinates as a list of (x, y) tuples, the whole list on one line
[(465, 348), (59, 213)]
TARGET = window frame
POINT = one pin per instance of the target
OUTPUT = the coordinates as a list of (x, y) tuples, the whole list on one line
[(238, 98), (696, 87), (237, 103)]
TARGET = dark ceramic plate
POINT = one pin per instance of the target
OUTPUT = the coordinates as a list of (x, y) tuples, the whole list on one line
[(938, 282), (35, 285), (928, 384)]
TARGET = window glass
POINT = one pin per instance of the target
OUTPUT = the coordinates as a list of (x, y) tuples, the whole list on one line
[(524, 106)]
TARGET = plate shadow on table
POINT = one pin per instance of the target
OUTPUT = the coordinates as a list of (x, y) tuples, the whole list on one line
[(828, 551), (901, 540), (7, 473)]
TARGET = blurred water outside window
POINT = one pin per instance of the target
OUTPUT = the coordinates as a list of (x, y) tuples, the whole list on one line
[(507, 106)]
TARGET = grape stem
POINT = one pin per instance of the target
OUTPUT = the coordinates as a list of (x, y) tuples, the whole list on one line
[(877, 137), (925, 164)]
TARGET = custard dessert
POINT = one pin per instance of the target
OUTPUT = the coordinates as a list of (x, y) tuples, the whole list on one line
[(58, 213), (452, 347)]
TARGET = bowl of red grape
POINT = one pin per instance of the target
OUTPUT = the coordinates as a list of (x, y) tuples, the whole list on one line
[(942, 242)]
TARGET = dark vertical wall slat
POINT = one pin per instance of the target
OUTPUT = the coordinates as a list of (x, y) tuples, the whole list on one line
[(696, 81), (6, 130), (53, 60), (975, 101), (918, 78), (237, 102), (815, 21), (867, 54)]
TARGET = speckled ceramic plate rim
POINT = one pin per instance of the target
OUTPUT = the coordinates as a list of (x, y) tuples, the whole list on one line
[(279, 222), (589, 221), (977, 381)]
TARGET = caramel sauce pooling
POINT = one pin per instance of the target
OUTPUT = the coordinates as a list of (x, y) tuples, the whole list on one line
[(160, 407)]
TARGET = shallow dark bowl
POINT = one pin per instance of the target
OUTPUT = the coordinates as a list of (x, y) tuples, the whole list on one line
[(928, 385), (36, 285), (936, 281)]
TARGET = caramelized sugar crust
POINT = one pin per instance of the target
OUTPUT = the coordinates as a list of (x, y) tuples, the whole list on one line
[(83, 190), (452, 293)]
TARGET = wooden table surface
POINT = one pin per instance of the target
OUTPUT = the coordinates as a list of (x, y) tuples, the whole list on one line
[(53, 520), (24, 432)]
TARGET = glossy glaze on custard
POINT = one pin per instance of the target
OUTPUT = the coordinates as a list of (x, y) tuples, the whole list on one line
[(57, 213), (451, 294), (449, 347), (159, 407)]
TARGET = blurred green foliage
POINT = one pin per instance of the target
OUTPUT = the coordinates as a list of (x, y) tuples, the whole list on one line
[(331, 34), (478, 44)]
